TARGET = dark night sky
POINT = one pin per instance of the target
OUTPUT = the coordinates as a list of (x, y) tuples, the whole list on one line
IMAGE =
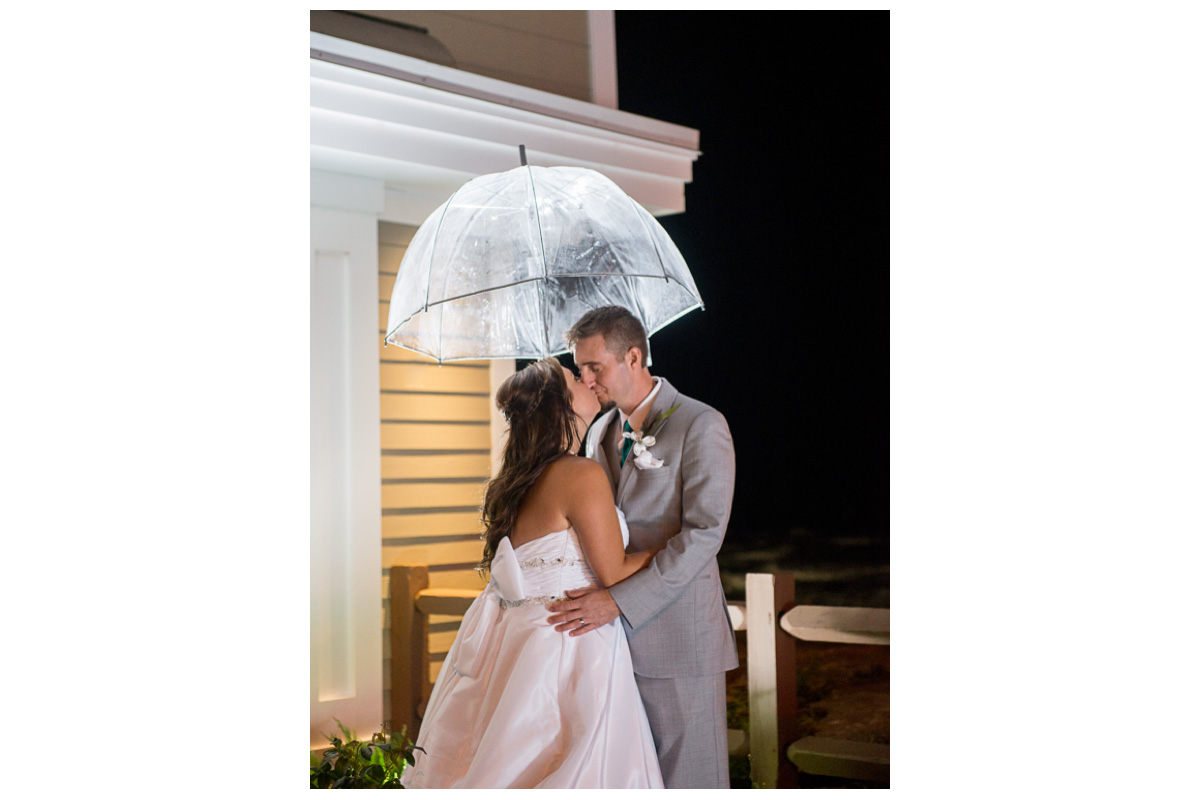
[(786, 234)]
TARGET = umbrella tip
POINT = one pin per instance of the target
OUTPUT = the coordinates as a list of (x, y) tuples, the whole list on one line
[(523, 162)]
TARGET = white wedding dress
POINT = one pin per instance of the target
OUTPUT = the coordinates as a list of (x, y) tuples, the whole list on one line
[(520, 705)]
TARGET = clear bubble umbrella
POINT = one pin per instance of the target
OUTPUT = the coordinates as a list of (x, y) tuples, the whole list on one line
[(513, 259)]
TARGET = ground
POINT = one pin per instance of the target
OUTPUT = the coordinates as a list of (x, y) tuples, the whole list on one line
[(842, 692)]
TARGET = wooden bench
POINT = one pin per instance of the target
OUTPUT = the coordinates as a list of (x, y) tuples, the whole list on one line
[(410, 604), (840, 758), (769, 662)]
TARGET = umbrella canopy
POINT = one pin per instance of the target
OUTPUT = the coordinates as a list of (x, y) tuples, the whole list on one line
[(513, 259)]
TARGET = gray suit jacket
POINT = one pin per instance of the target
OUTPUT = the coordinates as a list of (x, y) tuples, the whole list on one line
[(674, 610)]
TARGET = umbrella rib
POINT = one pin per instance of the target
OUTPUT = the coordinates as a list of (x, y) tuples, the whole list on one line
[(650, 234), (429, 273), (572, 182), (636, 299), (429, 280), (662, 265), (493, 193), (433, 248), (422, 352), (545, 268), (556, 275)]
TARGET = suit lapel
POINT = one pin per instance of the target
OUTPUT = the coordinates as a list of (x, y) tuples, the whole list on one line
[(662, 401), (612, 452), (595, 441)]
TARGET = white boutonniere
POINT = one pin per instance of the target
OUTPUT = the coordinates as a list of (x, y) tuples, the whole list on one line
[(643, 441)]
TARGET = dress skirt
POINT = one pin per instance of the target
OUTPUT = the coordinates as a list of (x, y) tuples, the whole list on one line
[(520, 705)]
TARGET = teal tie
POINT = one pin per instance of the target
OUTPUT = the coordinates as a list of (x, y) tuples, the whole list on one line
[(628, 443)]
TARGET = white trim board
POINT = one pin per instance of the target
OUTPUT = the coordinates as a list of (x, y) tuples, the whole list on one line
[(425, 129)]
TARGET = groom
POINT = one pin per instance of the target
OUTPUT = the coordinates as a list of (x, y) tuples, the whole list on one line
[(674, 481)]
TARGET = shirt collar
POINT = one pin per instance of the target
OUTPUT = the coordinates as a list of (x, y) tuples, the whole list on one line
[(649, 398)]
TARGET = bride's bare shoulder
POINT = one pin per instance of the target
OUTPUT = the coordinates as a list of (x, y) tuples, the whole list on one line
[(577, 484), (575, 469)]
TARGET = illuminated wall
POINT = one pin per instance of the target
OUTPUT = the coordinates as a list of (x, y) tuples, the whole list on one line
[(436, 458)]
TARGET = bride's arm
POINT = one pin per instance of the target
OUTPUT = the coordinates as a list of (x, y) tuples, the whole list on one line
[(635, 562), (591, 512)]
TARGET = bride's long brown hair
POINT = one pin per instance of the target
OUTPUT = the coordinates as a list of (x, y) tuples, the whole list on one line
[(536, 402)]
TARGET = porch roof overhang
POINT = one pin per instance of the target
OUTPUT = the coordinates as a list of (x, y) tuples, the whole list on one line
[(422, 130)]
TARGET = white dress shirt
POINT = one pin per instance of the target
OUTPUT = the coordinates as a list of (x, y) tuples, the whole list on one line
[(643, 404)]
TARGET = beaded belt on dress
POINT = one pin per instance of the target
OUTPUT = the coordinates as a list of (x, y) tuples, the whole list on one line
[(560, 561), (540, 600), (541, 563)]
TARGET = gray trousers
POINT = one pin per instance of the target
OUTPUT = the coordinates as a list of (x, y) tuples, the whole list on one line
[(687, 719)]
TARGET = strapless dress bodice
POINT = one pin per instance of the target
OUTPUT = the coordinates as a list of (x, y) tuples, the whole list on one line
[(550, 565), (541, 571)]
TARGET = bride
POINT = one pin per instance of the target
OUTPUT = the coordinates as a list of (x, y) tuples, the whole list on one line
[(517, 704)]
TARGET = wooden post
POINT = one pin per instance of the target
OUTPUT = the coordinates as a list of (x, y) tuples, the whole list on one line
[(761, 676), (771, 672), (410, 647), (785, 676)]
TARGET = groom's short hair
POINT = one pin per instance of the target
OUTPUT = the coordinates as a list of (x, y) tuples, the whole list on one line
[(620, 328)]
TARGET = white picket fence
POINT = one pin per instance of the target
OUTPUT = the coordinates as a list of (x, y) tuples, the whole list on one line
[(770, 667)]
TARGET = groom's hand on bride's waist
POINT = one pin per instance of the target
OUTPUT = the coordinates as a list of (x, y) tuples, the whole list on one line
[(584, 610)]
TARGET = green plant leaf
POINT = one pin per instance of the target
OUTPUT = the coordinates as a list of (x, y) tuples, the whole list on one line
[(353, 764), (349, 734)]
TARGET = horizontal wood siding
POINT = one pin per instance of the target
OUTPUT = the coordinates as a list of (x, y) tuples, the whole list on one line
[(412, 495), (436, 458), (429, 524), (441, 466), (429, 377), (435, 407), (452, 552), (440, 435)]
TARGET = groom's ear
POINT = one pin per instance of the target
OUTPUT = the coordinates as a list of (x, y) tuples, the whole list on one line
[(633, 357)]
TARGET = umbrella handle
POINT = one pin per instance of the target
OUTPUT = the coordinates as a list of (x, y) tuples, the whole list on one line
[(522, 148)]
